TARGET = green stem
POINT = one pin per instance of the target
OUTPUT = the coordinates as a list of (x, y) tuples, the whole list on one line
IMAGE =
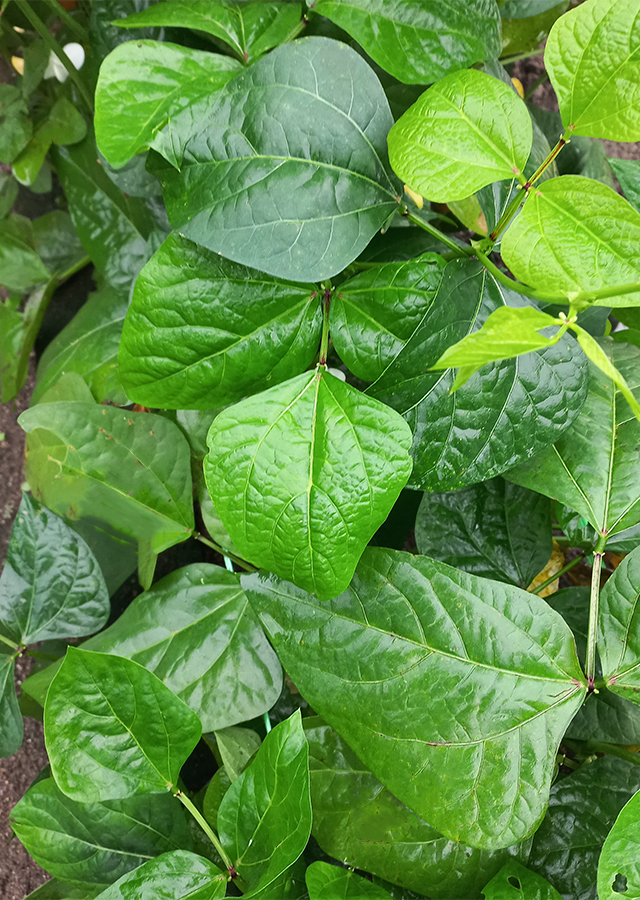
[(507, 60), (202, 822), (221, 550), (500, 276), (69, 21), (9, 642), (602, 747), (566, 137), (439, 235), (603, 293), (594, 604), (324, 340), (536, 84), (569, 565), (300, 27), (267, 722), (54, 46), (507, 215)]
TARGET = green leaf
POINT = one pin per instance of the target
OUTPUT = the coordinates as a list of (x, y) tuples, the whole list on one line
[(373, 315), (264, 820), (129, 469), (152, 94), (277, 193), (593, 468), (249, 29), (514, 882), (18, 331), (10, 715), (419, 43), (113, 729), (204, 332), (510, 409), (627, 171), (88, 345), (466, 131), (476, 762), (15, 127), (179, 875), (522, 9), (493, 529), (56, 242), (326, 882), (619, 865), (342, 460), (195, 631), (593, 60), (520, 34), (58, 890), (8, 193), (237, 746), (20, 265), (582, 810), (354, 817), (51, 585), (618, 645), (64, 124), (94, 844), (575, 236), (216, 789), (598, 356)]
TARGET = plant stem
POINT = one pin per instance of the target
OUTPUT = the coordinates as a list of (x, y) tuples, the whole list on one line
[(324, 341), (507, 215), (300, 27), (601, 747), (536, 84), (221, 550), (202, 822), (569, 565), (602, 293), (500, 276), (594, 604), (439, 235), (9, 642), (566, 137), (267, 722), (68, 20), (55, 47), (507, 60)]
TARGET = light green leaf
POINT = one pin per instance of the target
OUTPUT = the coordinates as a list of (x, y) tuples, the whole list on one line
[(514, 882), (466, 131), (341, 460), (8, 193), (575, 235), (10, 715), (152, 94), (593, 60), (419, 43), (204, 332), (499, 667), (113, 729), (619, 865), (274, 192), (618, 645), (18, 331), (597, 355), (326, 882), (20, 265), (179, 875), (236, 746)]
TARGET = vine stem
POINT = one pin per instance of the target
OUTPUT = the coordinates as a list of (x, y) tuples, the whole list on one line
[(324, 341), (221, 550), (594, 606), (9, 642), (601, 747), (562, 571), (202, 822), (507, 60), (436, 233)]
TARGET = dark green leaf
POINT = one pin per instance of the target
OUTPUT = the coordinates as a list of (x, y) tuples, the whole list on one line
[(499, 667), (10, 715), (508, 410), (325, 882), (620, 859), (15, 128), (36, 58), (298, 196), (576, 527), (204, 332), (627, 171), (58, 890), (418, 42), (342, 460), (522, 9), (237, 746), (216, 789), (374, 314), (8, 193), (264, 820), (56, 242), (179, 875), (113, 729), (20, 265), (195, 630), (94, 844), (493, 529), (581, 156), (514, 882)]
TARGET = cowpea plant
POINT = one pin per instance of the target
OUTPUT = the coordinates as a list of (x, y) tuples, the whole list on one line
[(360, 292)]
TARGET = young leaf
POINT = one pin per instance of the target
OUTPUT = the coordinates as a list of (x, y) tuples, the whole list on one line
[(593, 468), (618, 644), (51, 585), (113, 729), (195, 631), (375, 313), (129, 469), (331, 462), (593, 60), (507, 676), (464, 132), (298, 196), (264, 820), (179, 875), (597, 355), (493, 529), (236, 746), (619, 865), (354, 817), (152, 94), (204, 332), (419, 43), (510, 409), (514, 882), (94, 844), (574, 236), (326, 882), (10, 716)]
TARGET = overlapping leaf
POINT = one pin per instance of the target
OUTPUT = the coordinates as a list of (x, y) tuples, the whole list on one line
[(619, 865), (498, 665), (618, 644), (10, 715), (21, 266), (180, 875), (514, 882), (627, 171), (326, 882)]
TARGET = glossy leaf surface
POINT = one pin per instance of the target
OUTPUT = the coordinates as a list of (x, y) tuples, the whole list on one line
[(113, 729), (11, 730), (129, 469), (152, 94), (592, 468), (500, 668), (359, 822), (466, 131), (620, 857), (237, 746), (515, 882), (264, 820), (204, 332), (196, 632), (298, 196), (483, 428), (493, 529), (618, 644), (304, 474), (179, 875), (94, 844), (20, 265), (326, 882), (419, 43), (593, 60), (374, 314), (575, 235)]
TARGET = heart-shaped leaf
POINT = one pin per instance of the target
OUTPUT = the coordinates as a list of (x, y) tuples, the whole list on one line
[(179, 875), (514, 882), (620, 858), (326, 882), (498, 665), (330, 463)]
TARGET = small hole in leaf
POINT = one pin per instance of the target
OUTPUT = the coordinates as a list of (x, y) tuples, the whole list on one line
[(514, 882), (619, 885)]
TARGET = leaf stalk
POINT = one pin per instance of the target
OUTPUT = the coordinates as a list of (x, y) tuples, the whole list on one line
[(460, 252), (221, 550), (210, 833), (562, 571), (594, 608)]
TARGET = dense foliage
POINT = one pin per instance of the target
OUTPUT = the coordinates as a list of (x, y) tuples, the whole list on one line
[(360, 291)]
